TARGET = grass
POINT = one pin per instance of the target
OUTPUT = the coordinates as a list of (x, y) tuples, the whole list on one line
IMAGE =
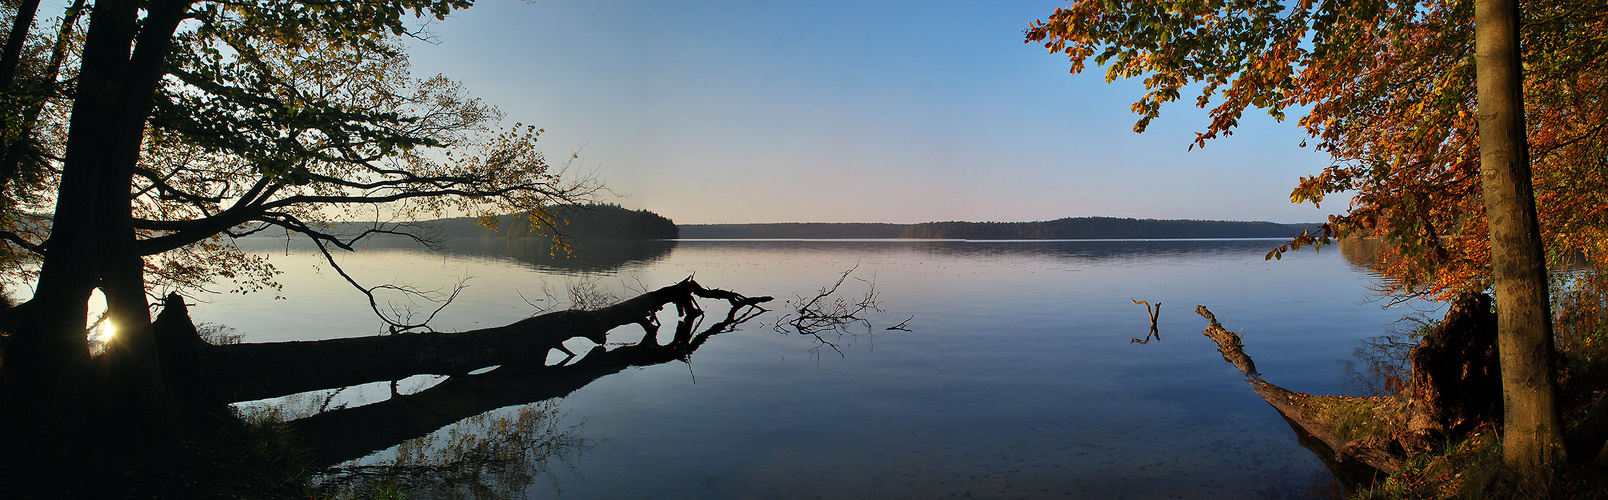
[(1473, 469), (1355, 419)]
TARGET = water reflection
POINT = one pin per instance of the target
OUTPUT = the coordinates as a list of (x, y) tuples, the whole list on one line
[(1021, 381), (1344, 477), (1363, 254), (1085, 250), (490, 455), (1153, 312), (543, 254), (486, 454), (828, 313), (539, 253)]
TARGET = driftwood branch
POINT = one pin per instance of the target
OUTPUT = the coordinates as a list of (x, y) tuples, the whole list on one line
[(903, 325)]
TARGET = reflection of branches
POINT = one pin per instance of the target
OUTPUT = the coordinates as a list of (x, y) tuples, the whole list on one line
[(492, 455), (585, 294), (1153, 314), (826, 313), (485, 455), (588, 294), (1384, 358)]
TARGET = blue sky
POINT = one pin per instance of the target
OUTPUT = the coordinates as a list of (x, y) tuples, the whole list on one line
[(826, 111)]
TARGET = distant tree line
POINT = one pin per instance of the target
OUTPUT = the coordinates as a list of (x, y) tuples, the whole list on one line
[(799, 230), (1067, 228), (576, 222)]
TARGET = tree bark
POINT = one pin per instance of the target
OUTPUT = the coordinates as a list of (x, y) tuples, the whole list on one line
[(92, 237), (12, 56), (243, 372), (1532, 435)]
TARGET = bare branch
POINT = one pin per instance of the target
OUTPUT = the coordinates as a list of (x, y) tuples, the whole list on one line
[(398, 325), (826, 314), (14, 238)]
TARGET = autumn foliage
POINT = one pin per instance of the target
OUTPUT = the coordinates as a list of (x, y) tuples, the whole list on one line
[(1386, 89)]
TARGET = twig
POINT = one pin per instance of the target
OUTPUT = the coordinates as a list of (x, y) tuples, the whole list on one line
[(901, 325)]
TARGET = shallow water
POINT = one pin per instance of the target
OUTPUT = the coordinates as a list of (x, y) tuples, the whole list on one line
[(1018, 377)]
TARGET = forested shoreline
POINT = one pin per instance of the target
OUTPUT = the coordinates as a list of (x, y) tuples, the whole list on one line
[(574, 221), (1070, 228)]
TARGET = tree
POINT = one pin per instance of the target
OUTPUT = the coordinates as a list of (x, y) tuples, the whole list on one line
[(1389, 91), (167, 127), (1532, 428), (185, 122)]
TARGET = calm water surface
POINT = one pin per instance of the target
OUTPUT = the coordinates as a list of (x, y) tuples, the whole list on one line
[(1018, 377)]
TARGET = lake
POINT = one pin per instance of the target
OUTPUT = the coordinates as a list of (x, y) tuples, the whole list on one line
[(1018, 376)]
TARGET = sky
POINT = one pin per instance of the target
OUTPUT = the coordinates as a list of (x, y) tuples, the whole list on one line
[(852, 111)]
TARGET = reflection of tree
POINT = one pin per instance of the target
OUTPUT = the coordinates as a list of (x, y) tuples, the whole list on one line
[(1384, 366), (1363, 253), (586, 256), (346, 434), (494, 454), (1075, 250)]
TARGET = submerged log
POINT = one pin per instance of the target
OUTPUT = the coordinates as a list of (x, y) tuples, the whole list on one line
[(242, 372), (1454, 388)]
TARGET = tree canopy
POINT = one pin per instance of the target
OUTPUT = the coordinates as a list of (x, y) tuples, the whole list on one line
[(140, 142), (257, 125), (1387, 89)]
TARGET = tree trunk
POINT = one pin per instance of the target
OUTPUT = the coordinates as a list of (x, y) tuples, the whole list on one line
[(243, 372), (1532, 435), (20, 26), (92, 239)]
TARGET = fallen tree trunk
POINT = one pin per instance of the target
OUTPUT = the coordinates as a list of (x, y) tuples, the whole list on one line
[(243, 372), (1321, 417), (1454, 388)]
